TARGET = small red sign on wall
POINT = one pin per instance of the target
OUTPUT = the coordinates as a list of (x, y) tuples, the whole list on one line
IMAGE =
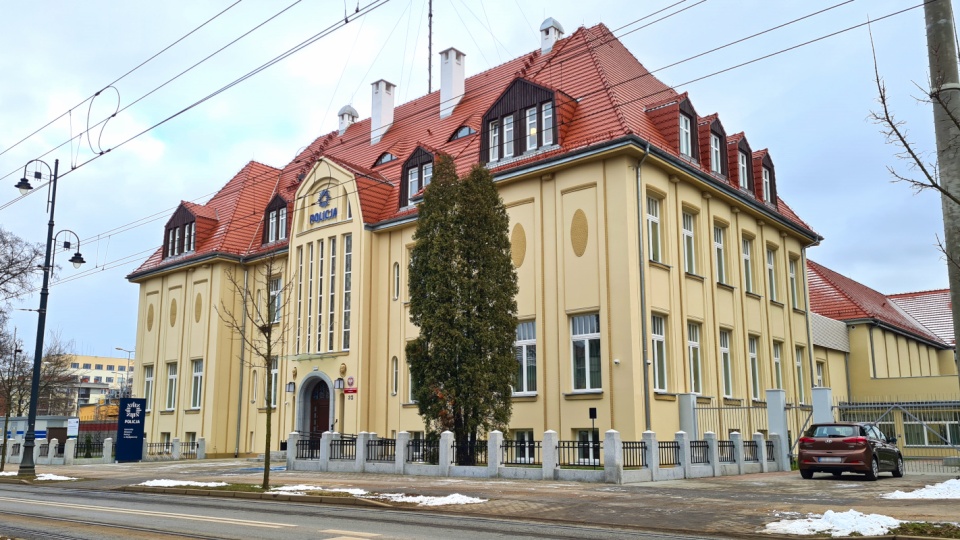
[(350, 390)]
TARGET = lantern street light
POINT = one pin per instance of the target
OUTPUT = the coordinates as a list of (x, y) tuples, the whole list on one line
[(27, 467)]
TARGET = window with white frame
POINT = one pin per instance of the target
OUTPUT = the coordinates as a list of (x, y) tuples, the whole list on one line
[(333, 293), (820, 369), (148, 386), (531, 115), (767, 193), (276, 300), (319, 295), (494, 134), (347, 288), (659, 350), (794, 293), (689, 244), (411, 385), (508, 138), (725, 363), (586, 352), (396, 281), (800, 392), (171, 386), (525, 348), (272, 226), (299, 298), (188, 236), (686, 148), (747, 265), (693, 356), (547, 121), (171, 243), (777, 366), (932, 428), (309, 339), (743, 170), (395, 371), (282, 223), (525, 447), (196, 388), (274, 378), (754, 367), (653, 229), (719, 235), (715, 155), (253, 387), (772, 273)]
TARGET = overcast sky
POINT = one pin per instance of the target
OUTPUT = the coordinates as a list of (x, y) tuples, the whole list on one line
[(808, 106)]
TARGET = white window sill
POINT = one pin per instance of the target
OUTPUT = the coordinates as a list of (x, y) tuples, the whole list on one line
[(524, 394)]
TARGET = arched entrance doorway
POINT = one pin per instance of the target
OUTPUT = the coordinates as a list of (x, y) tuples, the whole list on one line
[(318, 417)]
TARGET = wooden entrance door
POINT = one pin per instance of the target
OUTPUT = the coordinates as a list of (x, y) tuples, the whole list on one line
[(320, 408)]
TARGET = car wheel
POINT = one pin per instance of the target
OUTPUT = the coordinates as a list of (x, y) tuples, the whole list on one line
[(898, 469), (874, 469), (837, 474), (806, 474)]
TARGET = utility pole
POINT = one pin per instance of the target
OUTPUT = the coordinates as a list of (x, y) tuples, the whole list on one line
[(945, 88), (429, 46)]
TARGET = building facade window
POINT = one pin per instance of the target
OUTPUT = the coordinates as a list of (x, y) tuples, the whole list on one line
[(310, 272), (772, 273), (99, 366), (586, 352), (275, 300), (777, 366), (395, 371), (693, 356), (547, 124), (589, 448), (523, 119), (685, 143), (689, 244), (725, 363), (171, 386), (319, 295), (75, 365), (754, 367), (396, 281), (531, 139), (719, 234), (715, 156), (347, 288), (299, 299), (743, 169), (331, 309), (196, 389), (767, 193), (820, 370), (274, 379), (747, 265), (800, 391), (508, 138), (525, 348), (148, 386), (493, 128), (659, 351), (931, 428), (653, 229), (794, 293)]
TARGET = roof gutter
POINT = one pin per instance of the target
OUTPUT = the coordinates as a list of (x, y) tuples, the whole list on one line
[(216, 255), (901, 331)]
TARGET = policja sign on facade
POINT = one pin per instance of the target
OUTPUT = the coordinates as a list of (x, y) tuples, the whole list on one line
[(129, 445)]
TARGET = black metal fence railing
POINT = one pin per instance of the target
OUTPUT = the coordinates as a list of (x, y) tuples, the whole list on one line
[(308, 448), (159, 448), (467, 453), (770, 453), (15, 451), (579, 453), (44, 449), (58, 451), (188, 450), (699, 452), (727, 452), (382, 450), (750, 451), (634, 454), (343, 449), (669, 453), (521, 452), (88, 450), (423, 451)]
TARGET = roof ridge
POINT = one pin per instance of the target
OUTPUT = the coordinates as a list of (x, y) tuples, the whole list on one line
[(608, 91), (917, 293)]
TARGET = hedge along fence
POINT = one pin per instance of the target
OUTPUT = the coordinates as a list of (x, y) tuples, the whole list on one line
[(609, 460)]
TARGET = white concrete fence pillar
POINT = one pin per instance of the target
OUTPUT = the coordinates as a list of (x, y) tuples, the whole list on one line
[(737, 440), (777, 453), (292, 439), (69, 449), (325, 441), (176, 450), (108, 450), (761, 451), (146, 449), (361, 455), (683, 441), (822, 406), (493, 453), (36, 449), (549, 455), (612, 457), (688, 414), (653, 454), (777, 416), (202, 448), (401, 451), (446, 452), (713, 451)]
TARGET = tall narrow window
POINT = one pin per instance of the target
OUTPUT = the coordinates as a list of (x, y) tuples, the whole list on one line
[(148, 386), (777, 368), (586, 352), (820, 370), (187, 238), (171, 386), (754, 368), (333, 293), (196, 389), (176, 241), (508, 143), (794, 297), (653, 228), (747, 265), (396, 281), (494, 131), (772, 273), (800, 393), (689, 245), (693, 355), (274, 378), (276, 300), (531, 129), (427, 174), (282, 223), (347, 288), (659, 351), (272, 226), (725, 363), (767, 193), (685, 146), (310, 297), (413, 181), (715, 164), (395, 370), (744, 179), (299, 298), (319, 295), (170, 243), (525, 348), (718, 236), (254, 389), (547, 123), (193, 236)]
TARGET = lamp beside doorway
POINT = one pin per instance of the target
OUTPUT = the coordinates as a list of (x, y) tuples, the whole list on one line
[(338, 384)]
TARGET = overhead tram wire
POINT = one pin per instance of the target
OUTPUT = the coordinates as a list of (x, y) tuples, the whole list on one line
[(615, 30), (270, 176), (120, 78)]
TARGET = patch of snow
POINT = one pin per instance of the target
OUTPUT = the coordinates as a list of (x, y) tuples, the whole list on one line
[(8, 473), (52, 477), (836, 524), (301, 489), (423, 500), (944, 490), (175, 483)]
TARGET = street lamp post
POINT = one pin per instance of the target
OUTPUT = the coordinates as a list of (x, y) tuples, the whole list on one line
[(124, 390), (27, 467)]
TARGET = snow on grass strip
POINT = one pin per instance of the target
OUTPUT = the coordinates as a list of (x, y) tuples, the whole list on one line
[(300, 489), (835, 524), (8, 473), (52, 477), (176, 483), (944, 490), (423, 500)]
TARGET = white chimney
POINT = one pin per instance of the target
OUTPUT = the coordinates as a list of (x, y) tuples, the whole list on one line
[(550, 32), (348, 115), (451, 80), (381, 113)]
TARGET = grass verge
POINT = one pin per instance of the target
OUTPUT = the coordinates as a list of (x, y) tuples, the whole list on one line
[(935, 530)]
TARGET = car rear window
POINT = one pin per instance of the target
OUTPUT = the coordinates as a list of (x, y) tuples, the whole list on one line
[(832, 431)]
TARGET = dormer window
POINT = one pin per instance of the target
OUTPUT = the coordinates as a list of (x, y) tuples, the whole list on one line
[(715, 157), (462, 132), (180, 233), (686, 146), (384, 158), (743, 169), (417, 172), (767, 193), (522, 120), (275, 226), (494, 130)]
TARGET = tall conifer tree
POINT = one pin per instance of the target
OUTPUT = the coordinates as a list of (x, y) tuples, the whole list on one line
[(462, 297)]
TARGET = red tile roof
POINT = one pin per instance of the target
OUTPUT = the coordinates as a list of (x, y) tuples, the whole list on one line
[(932, 309), (838, 297), (603, 94)]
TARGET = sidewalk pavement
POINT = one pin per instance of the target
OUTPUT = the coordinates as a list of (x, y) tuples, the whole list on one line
[(725, 505)]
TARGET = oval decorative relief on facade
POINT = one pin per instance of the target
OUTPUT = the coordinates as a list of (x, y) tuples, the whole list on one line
[(518, 245), (579, 231), (198, 308), (173, 311), (149, 317)]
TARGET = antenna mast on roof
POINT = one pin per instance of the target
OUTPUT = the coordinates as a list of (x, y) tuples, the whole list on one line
[(429, 46)]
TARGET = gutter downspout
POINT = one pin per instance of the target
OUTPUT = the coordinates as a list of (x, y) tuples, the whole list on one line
[(873, 352), (643, 296), (846, 365), (243, 343)]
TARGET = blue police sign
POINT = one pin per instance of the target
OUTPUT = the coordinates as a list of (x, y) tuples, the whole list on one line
[(129, 445)]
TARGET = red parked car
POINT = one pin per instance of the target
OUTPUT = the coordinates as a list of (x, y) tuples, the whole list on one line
[(848, 447)]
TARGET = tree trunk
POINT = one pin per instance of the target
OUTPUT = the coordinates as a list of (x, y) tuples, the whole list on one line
[(3, 447)]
